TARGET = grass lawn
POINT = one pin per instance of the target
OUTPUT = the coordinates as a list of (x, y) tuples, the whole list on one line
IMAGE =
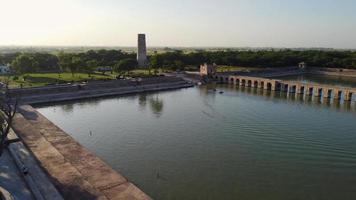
[(42, 79)]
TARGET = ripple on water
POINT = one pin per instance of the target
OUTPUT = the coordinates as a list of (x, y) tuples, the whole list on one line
[(236, 145)]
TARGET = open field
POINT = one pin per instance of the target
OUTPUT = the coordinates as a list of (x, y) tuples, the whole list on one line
[(43, 79)]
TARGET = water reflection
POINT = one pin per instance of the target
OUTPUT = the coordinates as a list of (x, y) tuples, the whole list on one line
[(155, 102), (91, 103), (68, 108), (142, 100)]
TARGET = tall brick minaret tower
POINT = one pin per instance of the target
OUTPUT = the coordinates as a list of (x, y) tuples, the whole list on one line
[(142, 51)]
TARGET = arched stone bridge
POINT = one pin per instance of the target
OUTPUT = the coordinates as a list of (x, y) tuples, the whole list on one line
[(318, 90)]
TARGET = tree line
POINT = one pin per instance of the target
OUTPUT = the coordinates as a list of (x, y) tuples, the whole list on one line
[(174, 60), (72, 62), (272, 58)]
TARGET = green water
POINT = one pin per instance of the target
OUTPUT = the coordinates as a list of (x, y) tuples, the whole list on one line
[(323, 79), (241, 144)]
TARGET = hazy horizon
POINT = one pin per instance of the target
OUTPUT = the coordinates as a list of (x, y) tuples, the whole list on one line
[(170, 47), (180, 24)]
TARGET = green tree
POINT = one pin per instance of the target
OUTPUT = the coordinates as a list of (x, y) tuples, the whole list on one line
[(23, 64), (155, 63), (125, 65), (69, 62), (90, 66), (65, 61), (178, 65), (77, 64)]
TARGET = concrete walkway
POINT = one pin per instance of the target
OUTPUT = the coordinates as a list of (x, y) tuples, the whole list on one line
[(76, 173), (11, 178), (21, 175)]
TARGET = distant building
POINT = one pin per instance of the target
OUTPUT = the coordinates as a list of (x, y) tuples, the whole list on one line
[(142, 51), (208, 69), (4, 69), (302, 65)]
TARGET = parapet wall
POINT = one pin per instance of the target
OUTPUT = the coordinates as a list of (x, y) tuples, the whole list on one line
[(97, 89), (90, 85)]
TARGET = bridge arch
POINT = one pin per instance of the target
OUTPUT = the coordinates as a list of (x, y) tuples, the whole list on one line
[(232, 80), (237, 81), (285, 88), (318, 92), (327, 93), (255, 84), (293, 89), (302, 89), (338, 94), (348, 96)]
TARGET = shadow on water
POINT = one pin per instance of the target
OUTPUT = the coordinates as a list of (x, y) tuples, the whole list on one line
[(309, 100)]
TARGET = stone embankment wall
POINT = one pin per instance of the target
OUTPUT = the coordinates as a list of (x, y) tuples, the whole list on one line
[(96, 89), (74, 171)]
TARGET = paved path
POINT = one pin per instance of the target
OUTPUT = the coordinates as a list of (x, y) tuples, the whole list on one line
[(76, 173), (12, 180)]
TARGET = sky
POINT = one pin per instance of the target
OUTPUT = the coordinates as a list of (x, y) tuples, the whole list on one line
[(179, 23)]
